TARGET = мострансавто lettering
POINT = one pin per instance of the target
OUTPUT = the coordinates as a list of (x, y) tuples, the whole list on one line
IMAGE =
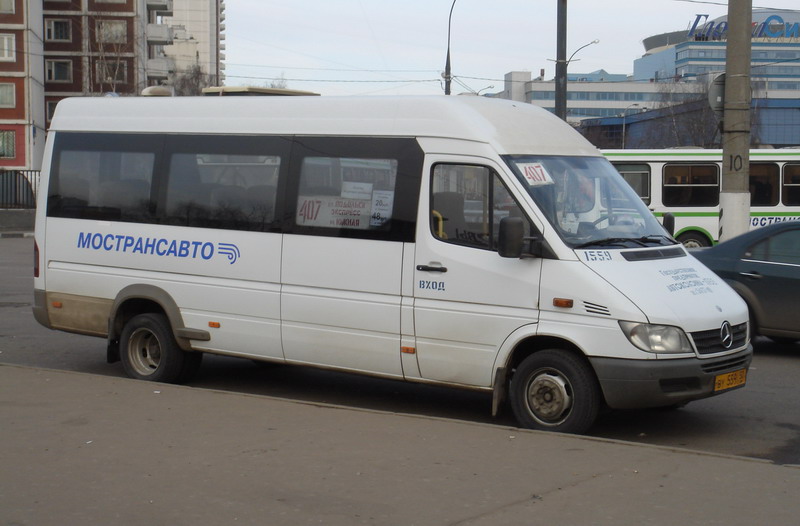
[(155, 246)]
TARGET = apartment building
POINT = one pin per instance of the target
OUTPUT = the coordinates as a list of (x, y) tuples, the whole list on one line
[(22, 122)]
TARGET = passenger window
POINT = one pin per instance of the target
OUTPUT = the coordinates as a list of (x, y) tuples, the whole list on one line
[(791, 184), (638, 177), (764, 182), (467, 204), (222, 191), (691, 185), (346, 193), (108, 180), (222, 182), (783, 247)]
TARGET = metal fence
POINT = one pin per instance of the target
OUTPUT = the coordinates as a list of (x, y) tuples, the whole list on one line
[(18, 188)]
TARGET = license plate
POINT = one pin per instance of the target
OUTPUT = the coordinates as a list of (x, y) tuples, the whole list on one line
[(729, 380)]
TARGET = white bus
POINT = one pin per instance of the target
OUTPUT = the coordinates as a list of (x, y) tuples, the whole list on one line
[(461, 241), (687, 184)]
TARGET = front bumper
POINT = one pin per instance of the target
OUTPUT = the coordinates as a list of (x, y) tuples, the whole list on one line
[(631, 384)]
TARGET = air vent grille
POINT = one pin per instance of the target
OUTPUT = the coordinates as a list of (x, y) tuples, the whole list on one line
[(594, 308)]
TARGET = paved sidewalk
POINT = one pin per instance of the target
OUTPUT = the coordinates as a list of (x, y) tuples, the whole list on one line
[(85, 449)]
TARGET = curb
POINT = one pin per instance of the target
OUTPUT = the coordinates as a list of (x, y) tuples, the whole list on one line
[(15, 234)]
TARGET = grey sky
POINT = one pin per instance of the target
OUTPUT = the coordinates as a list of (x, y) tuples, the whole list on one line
[(343, 47)]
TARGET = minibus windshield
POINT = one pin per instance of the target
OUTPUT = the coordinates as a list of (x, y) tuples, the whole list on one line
[(588, 202)]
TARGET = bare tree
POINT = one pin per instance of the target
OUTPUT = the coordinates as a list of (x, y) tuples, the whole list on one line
[(191, 81), (684, 117), (278, 83), (111, 55)]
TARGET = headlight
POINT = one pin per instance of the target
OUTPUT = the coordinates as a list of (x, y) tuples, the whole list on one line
[(656, 338)]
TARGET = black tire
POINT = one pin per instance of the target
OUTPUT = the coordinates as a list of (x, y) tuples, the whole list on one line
[(554, 390), (783, 340), (694, 240), (148, 351)]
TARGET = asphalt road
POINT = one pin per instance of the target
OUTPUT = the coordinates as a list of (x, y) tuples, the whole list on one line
[(762, 420)]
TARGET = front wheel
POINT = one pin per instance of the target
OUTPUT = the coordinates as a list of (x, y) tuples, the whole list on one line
[(148, 351), (556, 391)]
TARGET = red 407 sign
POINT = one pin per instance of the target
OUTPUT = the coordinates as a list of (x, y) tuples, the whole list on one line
[(535, 174)]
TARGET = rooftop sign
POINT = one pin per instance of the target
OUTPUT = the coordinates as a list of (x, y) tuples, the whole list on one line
[(773, 27)]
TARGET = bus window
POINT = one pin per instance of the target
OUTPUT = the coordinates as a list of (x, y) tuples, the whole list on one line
[(691, 185), (103, 176), (791, 184), (223, 182), (764, 184), (638, 176), (346, 193)]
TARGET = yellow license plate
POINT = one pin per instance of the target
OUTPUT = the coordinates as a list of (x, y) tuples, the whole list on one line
[(729, 380)]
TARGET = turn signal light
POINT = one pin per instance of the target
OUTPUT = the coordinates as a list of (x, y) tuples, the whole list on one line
[(564, 303)]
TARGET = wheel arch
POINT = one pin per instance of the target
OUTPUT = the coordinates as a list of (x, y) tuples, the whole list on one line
[(141, 298), (519, 349), (753, 305)]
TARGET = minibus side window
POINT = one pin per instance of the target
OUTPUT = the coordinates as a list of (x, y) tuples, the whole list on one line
[(691, 184), (791, 184), (354, 187), (223, 182), (467, 204), (105, 177), (346, 193), (764, 182)]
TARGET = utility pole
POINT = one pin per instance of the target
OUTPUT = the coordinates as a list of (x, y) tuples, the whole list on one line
[(561, 60), (448, 76), (734, 200)]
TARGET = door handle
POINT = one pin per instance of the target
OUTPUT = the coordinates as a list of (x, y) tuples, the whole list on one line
[(428, 268), (753, 275)]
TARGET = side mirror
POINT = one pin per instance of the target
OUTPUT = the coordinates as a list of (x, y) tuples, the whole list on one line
[(510, 239), (669, 223)]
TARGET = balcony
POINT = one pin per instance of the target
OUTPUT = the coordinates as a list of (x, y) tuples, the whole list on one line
[(162, 7), (160, 68), (159, 34)]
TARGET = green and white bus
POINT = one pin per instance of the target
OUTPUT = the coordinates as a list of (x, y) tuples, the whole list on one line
[(686, 183)]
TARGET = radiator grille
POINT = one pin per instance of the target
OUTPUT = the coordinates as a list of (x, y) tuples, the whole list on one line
[(710, 341)]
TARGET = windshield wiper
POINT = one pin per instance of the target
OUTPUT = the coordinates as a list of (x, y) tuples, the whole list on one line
[(612, 241), (643, 241), (658, 238)]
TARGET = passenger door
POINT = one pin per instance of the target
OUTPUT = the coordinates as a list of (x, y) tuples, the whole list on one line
[(468, 299), (352, 209)]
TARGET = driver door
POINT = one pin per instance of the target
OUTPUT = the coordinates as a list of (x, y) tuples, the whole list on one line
[(467, 299)]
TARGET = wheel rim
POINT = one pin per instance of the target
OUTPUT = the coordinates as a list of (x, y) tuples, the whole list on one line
[(692, 242), (144, 351), (549, 397)]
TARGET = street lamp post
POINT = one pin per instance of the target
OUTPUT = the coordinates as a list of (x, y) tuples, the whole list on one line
[(624, 117), (561, 81), (447, 76)]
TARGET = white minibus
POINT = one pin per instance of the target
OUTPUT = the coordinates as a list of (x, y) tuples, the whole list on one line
[(460, 241), (686, 183)]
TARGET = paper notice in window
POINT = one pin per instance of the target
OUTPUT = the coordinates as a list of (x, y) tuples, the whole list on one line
[(535, 174), (382, 201)]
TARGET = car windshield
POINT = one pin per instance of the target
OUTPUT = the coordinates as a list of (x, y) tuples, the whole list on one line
[(588, 202)]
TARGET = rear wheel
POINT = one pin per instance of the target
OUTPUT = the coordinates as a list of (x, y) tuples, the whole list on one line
[(694, 240), (555, 390), (148, 351)]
